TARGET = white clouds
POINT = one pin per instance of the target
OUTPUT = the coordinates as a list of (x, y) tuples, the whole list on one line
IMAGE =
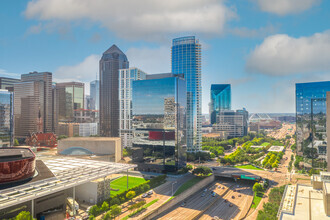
[(5, 73), (85, 71), (284, 7), (150, 60), (282, 55), (253, 33), (143, 19)]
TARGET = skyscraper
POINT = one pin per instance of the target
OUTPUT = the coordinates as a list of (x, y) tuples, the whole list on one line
[(29, 110), (220, 100), (126, 78), (70, 97), (47, 104), (6, 118), (158, 124), (112, 60), (95, 94), (186, 59), (311, 137), (8, 83)]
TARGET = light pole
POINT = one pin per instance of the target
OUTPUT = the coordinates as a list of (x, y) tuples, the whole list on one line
[(172, 186)]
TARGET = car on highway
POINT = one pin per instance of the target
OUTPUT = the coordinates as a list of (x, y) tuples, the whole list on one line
[(150, 192), (205, 190), (223, 187), (213, 194), (231, 205), (233, 197), (226, 200), (183, 204), (203, 194), (145, 195)]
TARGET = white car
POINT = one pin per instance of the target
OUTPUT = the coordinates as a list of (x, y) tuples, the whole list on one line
[(205, 190), (145, 195), (150, 192)]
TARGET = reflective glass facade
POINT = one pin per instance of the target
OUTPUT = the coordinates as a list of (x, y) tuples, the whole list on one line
[(186, 59), (220, 100), (311, 121), (112, 60), (95, 94), (6, 118), (159, 124)]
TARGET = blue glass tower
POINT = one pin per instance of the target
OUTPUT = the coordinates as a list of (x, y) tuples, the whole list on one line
[(186, 59), (311, 121), (6, 118), (220, 100)]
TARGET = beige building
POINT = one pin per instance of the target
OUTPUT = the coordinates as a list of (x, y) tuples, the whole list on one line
[(97, 145), (94, 192)]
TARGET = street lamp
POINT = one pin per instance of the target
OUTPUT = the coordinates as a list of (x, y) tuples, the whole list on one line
[(172, 186)]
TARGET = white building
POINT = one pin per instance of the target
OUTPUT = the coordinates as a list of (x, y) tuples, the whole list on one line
[(126, 77), (88, 129)]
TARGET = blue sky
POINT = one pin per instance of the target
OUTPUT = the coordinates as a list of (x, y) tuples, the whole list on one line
[(261, 47)]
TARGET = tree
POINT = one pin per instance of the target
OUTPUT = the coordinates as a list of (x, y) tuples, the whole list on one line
[(94, 210), (257, 188), (62, 137), (145, 187), (202, 170), (16, 143), (24, 216), (91, 217), (130, 195), (115, 210), (189, 167), (105, 206)]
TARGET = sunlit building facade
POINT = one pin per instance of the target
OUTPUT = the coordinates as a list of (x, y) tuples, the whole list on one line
[(6, 118), (159, 124), (186, 59), (311, 137), (220, 100), (126, 78)]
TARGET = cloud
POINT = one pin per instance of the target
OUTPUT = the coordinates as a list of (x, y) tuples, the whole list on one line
[(84, 71), (285, 7), (150, 60), (283, 55), (253, 33), (5, 73), (143, 19)]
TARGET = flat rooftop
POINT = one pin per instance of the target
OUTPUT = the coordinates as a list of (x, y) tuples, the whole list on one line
[(308, 204), (276, 148), (91, 139), (68, 172), (12, 154)]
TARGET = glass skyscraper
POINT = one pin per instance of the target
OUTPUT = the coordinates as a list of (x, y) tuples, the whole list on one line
[(159, 124), (311, 121), (6, 118), (220, 100), (95, 94), (186, 59), (112, 60)]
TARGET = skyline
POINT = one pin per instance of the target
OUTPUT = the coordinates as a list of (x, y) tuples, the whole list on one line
[(245, 43)]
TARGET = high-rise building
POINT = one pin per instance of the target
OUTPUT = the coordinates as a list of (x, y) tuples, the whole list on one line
[(29, 111), (47, 105), (95, 94), (186, 59), (231, 124), (311, 110), (126, 78), (159, 124), (328, 130), (220, 100), (70, 97), (6, 118), (112, 60), (8, 83)]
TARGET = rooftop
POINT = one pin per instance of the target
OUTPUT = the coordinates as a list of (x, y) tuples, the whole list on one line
[(69, 172), (276, 148), (91, 139), (11, 154)]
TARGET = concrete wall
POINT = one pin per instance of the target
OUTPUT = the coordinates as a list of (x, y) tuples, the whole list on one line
[(98, 145), (180, 197), (87, 192)]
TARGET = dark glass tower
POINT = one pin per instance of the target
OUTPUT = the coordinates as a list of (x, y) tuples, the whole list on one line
[(311, 121), (186, 59), (220, 100), (112, 60)]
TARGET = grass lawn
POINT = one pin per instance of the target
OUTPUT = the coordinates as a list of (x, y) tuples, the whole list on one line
[(140, 209), (121, 183), (256, 201), (251, 167), (265, 144), (187, 185)]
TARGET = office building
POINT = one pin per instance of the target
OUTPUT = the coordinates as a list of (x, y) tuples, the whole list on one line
[(311, 113), (70, 97), (6, 118), (47, 103), (186, 59), (85, 116), (159, 124), (29, 111), (231, 124), (88, 102), (88, 129), (126, 78), (112, 60), (8, 83), (220, 100), (95, 94)]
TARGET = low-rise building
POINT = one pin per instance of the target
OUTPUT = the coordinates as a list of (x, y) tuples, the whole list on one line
[(41, 140)]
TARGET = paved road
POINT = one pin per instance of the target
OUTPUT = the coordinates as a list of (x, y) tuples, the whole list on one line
[(222, 210)]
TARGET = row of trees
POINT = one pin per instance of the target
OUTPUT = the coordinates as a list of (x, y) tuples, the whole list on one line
[(202, 171), (272, 160)]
